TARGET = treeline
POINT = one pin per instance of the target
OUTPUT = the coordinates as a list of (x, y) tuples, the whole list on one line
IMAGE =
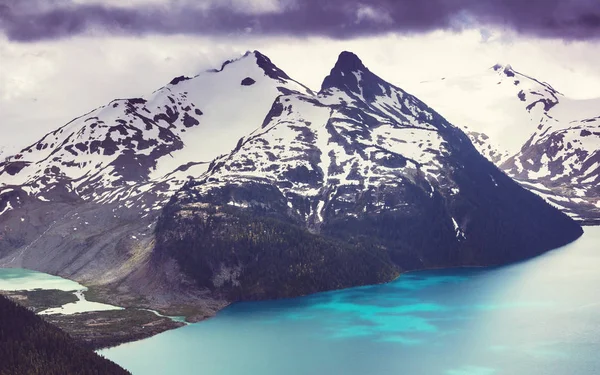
[(268, 251), (31, 346), (248, 256)]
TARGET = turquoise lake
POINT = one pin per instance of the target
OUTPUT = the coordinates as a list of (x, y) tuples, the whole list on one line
[(541, 316)]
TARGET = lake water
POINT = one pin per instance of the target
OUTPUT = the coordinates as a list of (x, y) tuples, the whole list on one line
[(541, 316), (22, 279), (12, 279)]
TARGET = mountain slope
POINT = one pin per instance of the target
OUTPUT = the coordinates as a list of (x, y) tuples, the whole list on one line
[(306, 192), (546, 141), (563, 166), (82, 202), (367, 181), (32, 346), (176, 131)]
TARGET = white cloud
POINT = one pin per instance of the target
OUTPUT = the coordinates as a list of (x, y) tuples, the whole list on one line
[(369, 13), (44, 85)]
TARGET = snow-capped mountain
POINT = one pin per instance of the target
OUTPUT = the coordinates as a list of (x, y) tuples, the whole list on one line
[(195, 190), (83, 200), (129, 146), (362, 162), (548, 142)]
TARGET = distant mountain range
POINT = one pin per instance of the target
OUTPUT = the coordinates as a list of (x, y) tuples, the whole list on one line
[(547, 142), (241, 183)]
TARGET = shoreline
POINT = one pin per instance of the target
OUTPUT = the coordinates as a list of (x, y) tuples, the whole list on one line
[(94, 329), (137, 319)]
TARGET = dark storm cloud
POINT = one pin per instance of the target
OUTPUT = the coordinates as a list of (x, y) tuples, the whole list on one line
[(31, 20)]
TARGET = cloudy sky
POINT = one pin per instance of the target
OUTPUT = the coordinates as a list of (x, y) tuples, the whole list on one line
[(62, 58)]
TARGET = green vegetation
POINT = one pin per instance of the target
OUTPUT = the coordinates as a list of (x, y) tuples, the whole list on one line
[(246, 256), (31, 346), (108, 294), (102, 329), (269, 251), (39, 300)]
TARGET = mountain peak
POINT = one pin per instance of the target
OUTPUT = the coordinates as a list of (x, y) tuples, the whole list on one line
[(271, 70), (346, 73), (505, 69), (349, 62), (501, 66)]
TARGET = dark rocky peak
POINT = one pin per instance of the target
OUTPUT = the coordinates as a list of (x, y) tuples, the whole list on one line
[(346, 75), (508, 71), (498, 67), (349, 62), (505, 69), (351, 76), (270, 69)]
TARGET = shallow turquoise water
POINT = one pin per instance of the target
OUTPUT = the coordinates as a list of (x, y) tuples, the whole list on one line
[(22, 279), (12, 279), (537, 317)]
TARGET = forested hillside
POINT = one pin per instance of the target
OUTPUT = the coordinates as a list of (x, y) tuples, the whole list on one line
[(31, 346)]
